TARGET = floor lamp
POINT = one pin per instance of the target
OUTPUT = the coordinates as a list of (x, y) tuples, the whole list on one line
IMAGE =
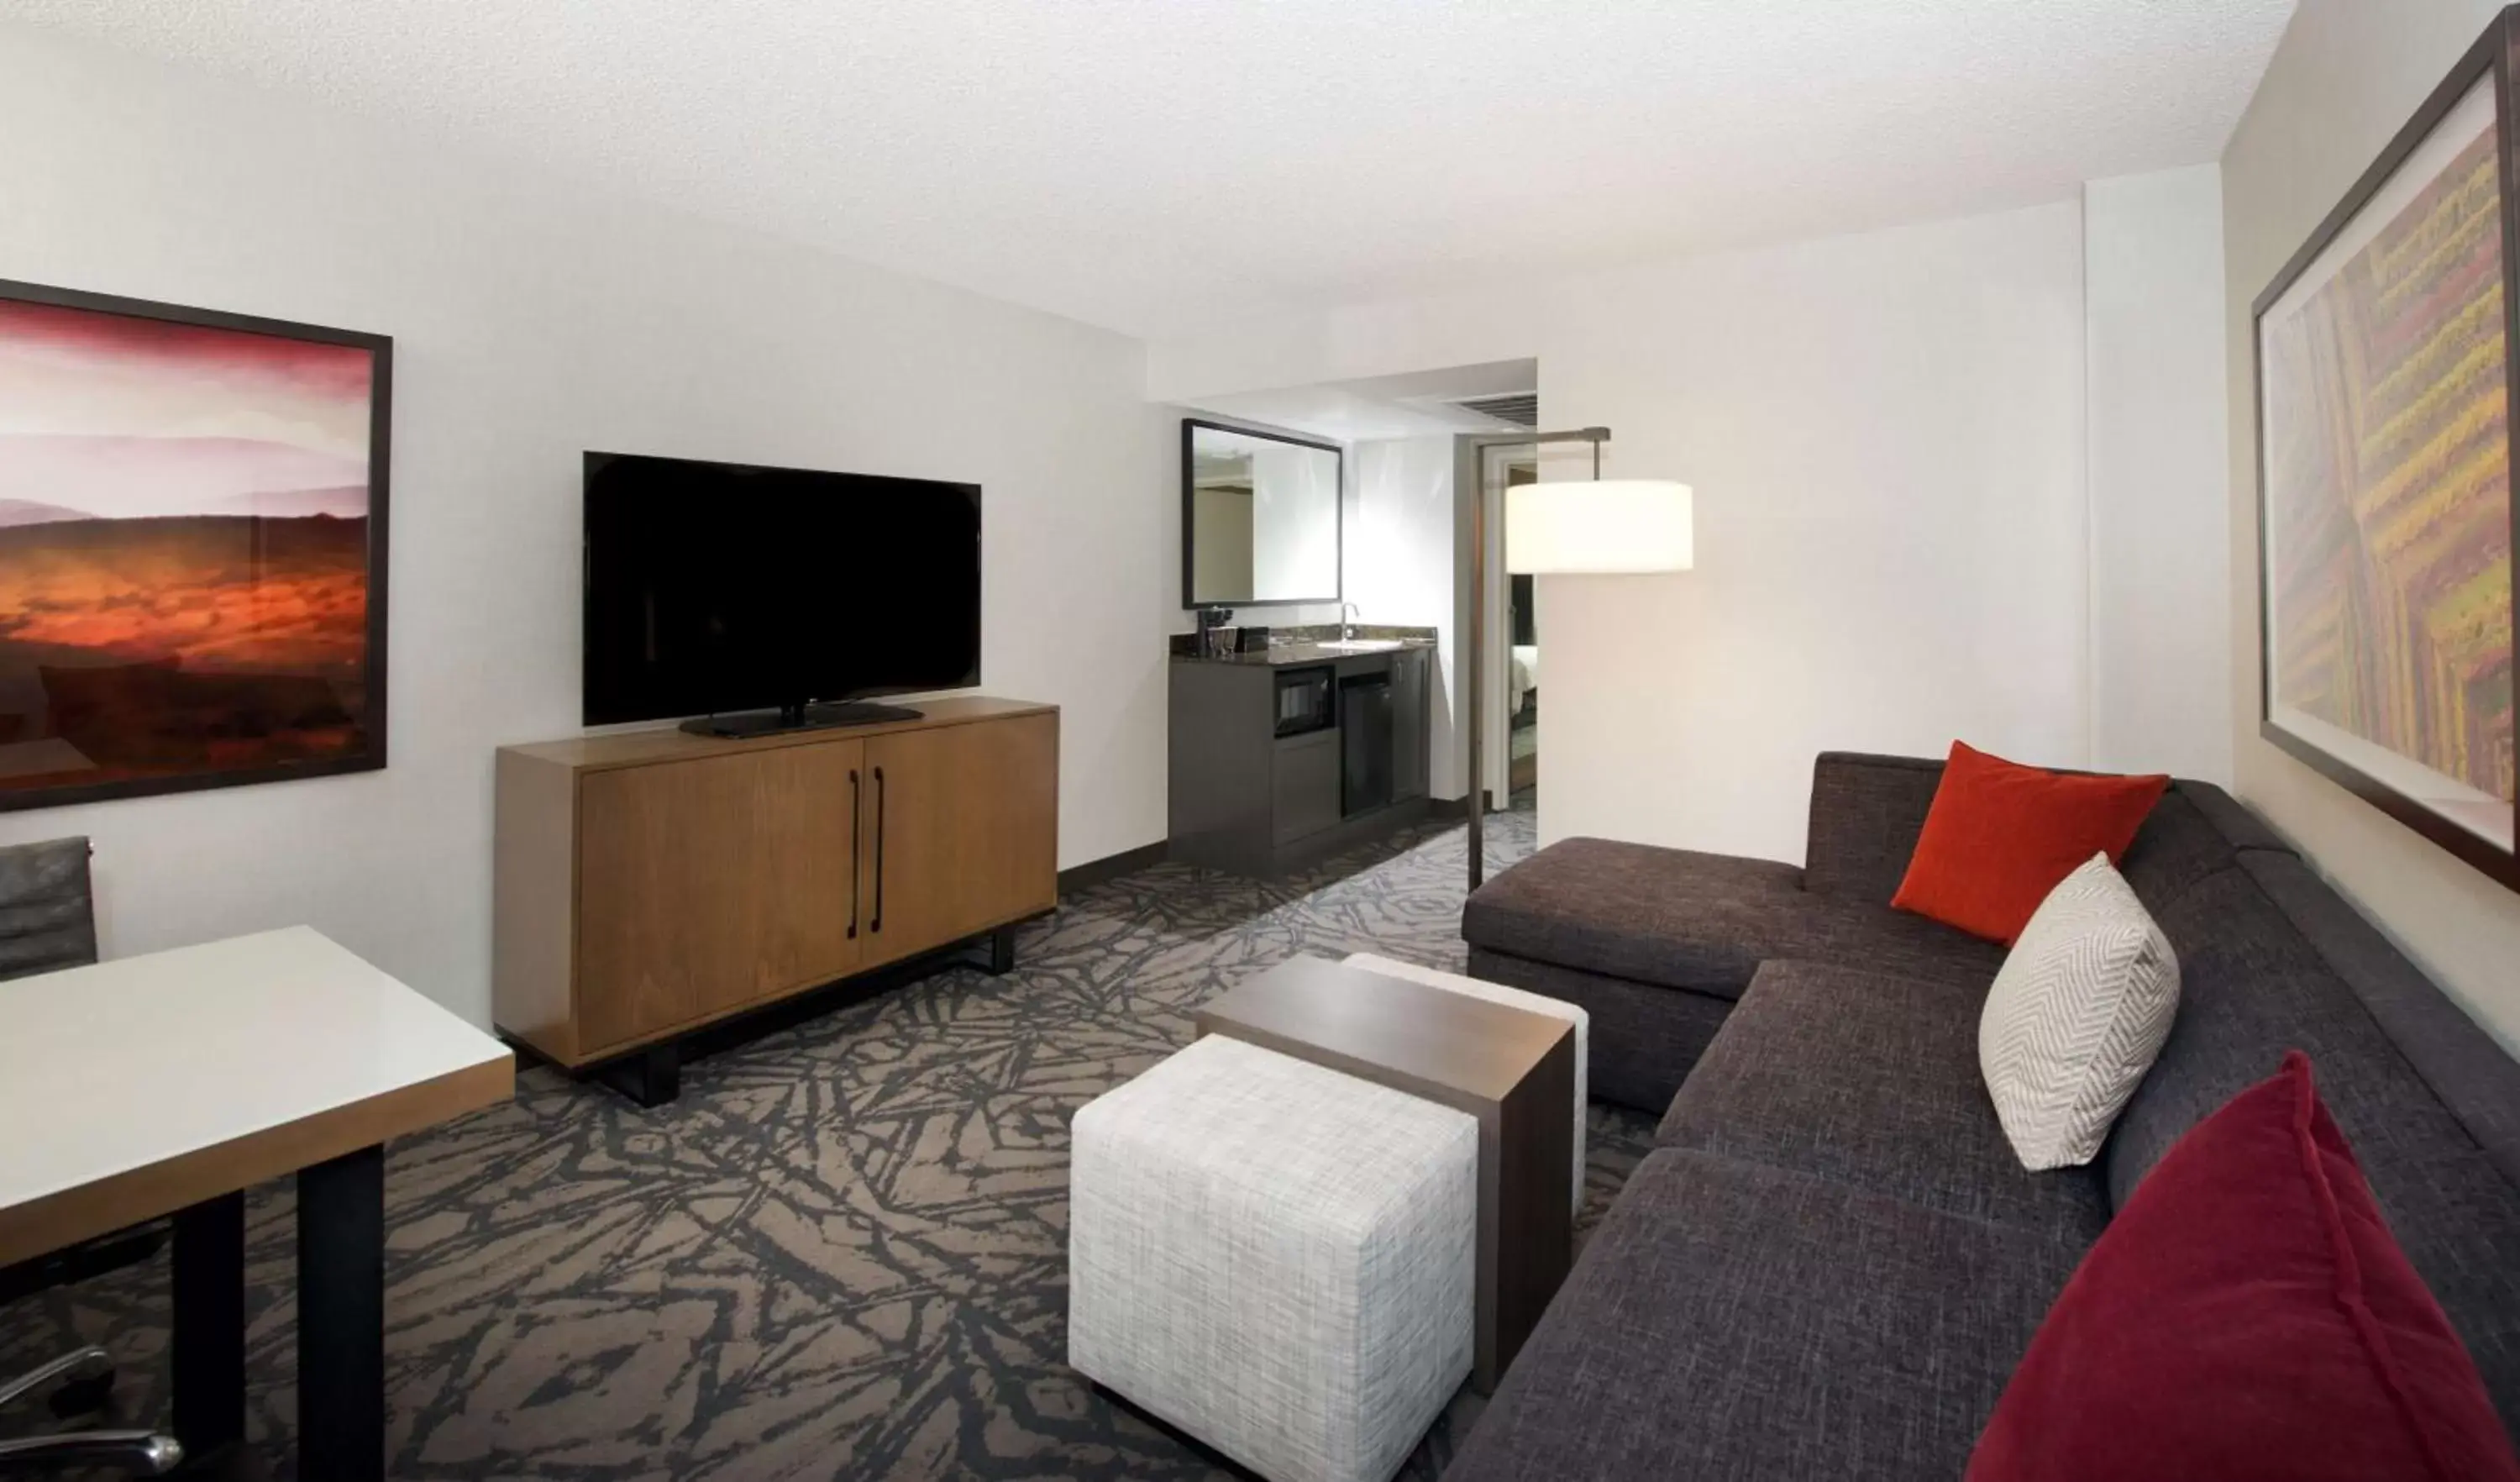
[(1601, 527)]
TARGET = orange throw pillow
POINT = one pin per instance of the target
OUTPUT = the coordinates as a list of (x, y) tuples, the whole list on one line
[(2000, 835)]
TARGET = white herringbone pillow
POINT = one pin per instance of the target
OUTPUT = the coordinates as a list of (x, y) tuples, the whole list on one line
[(2076, 1016)]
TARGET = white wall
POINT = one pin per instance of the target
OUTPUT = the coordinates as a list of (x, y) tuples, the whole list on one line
[(532, 323), (2346, 78), (1885, 436), (2159, 448), (1400, 567)]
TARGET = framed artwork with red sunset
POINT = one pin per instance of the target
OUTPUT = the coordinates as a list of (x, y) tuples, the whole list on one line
[(191, 548)]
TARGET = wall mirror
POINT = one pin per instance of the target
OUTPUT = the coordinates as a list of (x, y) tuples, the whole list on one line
[(1260, 517)]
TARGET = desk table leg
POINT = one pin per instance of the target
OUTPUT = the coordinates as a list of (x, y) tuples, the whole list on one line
[(209, 1326), (342, 1318)]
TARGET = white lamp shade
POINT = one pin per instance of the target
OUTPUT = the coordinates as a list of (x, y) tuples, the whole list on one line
[(1607, 525)]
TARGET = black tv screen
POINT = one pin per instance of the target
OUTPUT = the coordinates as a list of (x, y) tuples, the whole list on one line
[(717, 587)]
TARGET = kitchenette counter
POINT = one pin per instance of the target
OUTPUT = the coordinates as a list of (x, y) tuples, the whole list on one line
[(1308, 645), (1283, 756), (1277, 654)]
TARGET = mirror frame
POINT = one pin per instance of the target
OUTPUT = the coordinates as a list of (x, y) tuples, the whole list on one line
[(1189, 518)]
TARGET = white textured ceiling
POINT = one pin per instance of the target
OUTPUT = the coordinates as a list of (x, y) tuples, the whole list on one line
[(1155, 165)]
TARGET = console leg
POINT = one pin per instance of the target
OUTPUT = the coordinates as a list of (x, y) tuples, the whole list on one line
[(1002, 952), (650, 1077)]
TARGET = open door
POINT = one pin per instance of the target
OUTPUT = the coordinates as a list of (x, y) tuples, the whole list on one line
[(1511, 777)]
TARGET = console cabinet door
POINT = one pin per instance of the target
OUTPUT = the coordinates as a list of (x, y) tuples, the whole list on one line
[(1304, 786), (961, 832), (709, 884), (809, 912)]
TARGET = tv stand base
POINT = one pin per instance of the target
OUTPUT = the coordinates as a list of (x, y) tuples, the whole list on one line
[(652, 1075), (797, 718)]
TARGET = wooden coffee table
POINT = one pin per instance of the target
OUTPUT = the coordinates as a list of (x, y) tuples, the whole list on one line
[(1512, 1070)]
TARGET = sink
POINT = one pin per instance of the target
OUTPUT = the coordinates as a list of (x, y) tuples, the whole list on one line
[(1360, 644)]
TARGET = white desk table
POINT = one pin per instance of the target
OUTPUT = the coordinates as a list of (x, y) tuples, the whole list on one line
[(169, 1084)]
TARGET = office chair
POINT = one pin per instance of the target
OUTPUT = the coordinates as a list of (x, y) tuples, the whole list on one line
[(48, 922), (80, 1375)]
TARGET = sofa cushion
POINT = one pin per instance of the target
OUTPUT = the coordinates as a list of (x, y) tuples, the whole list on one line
[(2237, 825), (1643, 1039), (2180, 844), (1746, 1322), (2474, 1077), (1706, 921), (1873, 1080), (1866, 813), (2253, 986), (2247, 1315)]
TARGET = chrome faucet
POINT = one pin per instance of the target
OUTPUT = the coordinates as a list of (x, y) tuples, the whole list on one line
[(1347, 629)]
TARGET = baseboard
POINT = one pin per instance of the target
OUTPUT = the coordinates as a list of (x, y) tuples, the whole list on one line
[(1111, 867)]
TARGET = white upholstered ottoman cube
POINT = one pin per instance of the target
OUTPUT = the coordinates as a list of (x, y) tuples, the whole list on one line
[(1275, 1257), (1512, 998)]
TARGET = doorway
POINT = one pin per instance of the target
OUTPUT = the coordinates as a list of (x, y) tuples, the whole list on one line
[(1511, 693), (1522, 673), (1522, 692)]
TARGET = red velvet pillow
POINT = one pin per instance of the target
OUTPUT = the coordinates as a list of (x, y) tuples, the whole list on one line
[(2000, 835), (2247, 1316)]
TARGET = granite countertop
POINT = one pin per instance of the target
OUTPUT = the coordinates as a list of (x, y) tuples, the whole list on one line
[(1300, 653), (1303, 646)]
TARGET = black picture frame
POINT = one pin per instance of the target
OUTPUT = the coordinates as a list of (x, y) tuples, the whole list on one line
[(375, 670), (2490, 58), (1189, 517)]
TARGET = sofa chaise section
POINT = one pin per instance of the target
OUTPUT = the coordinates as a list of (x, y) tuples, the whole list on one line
[(1659, 942), (1677, 919)]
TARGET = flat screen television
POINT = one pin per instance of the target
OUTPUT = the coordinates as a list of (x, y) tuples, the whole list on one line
[(717, 588)]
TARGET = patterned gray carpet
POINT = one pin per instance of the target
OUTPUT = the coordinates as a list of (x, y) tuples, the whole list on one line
[(840, 1254)]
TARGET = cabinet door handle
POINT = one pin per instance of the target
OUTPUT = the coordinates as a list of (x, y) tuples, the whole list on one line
[(876, 924), (856, 828)]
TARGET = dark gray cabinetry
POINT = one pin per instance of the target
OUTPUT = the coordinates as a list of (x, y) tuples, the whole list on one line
[(1410, 728), (1246, 799), (1305, 783)]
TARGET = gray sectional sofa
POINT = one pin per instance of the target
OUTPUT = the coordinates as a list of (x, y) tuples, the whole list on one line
[(1831, 1261)]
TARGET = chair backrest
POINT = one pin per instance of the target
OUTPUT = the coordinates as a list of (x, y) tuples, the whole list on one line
[(47, 909)]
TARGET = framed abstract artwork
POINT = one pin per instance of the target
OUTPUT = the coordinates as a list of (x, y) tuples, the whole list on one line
[(191, 548), (2385, 410)]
